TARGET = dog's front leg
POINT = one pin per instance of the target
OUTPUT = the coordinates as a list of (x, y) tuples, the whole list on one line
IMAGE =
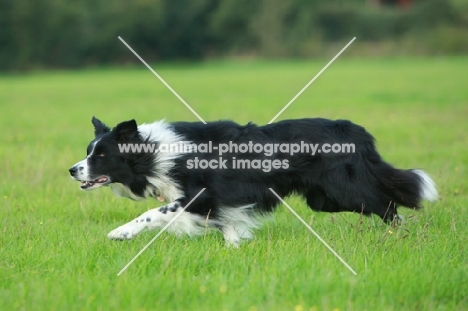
[(152, 219)]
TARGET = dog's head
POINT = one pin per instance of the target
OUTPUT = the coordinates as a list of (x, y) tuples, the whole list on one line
[(105, 163)]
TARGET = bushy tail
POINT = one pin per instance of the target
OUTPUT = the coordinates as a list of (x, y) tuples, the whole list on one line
[(427, 187), (407, 187)]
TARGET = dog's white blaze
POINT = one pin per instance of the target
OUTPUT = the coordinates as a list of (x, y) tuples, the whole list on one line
[(82, 166), (427, 186), (94, 147)]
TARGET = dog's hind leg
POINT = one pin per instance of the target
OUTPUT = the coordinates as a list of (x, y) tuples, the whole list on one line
[(237, 223), (318, 201), (231, 236), (389, 214), (185, 223)]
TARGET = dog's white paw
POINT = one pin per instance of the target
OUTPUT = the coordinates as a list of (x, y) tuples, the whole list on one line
[(126, 232)]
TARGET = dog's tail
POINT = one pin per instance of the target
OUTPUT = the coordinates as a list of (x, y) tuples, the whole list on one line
[(408, 187), (427, 187)]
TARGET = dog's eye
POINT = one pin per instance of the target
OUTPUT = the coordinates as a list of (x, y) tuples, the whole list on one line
[(101, 155)]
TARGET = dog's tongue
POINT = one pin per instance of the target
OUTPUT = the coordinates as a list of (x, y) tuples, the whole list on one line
[(100, 180), (86, 184)]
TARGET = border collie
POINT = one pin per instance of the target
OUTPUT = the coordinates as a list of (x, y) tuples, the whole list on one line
[(237, 164)]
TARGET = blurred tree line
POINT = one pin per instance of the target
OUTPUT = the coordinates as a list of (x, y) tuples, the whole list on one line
[(66, 33)]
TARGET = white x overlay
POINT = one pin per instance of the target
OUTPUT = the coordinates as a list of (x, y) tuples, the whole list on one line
[(272, 120)]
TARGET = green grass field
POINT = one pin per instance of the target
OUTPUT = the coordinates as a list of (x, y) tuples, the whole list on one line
[(54, 254)]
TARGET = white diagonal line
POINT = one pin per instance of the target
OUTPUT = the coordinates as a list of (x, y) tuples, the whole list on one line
[(162, 80), (159, 233), (310, 82), (315, 233)]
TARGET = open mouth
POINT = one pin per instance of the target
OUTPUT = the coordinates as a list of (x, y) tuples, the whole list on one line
[(96, 183)]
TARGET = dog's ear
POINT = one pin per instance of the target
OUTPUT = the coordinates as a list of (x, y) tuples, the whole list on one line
[(99, 127), (126, 130)]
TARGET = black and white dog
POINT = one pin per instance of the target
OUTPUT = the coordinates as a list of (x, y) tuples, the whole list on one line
[(237, 164)]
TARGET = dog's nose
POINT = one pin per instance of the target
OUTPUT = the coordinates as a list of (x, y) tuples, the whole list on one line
[(73, 170)]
